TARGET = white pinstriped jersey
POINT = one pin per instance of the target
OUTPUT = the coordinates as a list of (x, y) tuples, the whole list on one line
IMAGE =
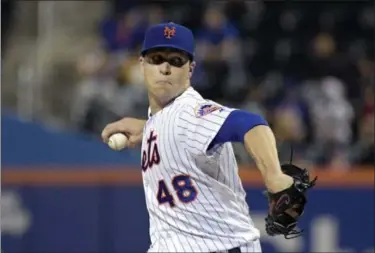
[(194, 195)]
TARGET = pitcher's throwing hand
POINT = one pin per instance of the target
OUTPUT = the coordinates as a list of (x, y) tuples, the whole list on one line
[(131, 127)]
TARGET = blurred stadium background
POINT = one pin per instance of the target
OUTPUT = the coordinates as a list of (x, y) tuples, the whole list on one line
[(70, 67)]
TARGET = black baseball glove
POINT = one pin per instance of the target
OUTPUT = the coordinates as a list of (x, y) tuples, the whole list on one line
[(288, 205)]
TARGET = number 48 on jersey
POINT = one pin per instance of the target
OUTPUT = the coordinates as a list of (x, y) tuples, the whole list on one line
[(183, 188)]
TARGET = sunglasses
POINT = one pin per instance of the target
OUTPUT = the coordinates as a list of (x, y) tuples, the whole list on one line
[(176, 61)]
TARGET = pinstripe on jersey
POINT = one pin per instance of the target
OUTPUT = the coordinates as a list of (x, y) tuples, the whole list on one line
[(194, 197)]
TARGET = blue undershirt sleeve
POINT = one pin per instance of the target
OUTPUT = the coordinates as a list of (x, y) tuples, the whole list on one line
[(237, 124)]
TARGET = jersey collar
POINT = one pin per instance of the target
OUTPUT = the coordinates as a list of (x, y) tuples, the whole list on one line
[(172, 100)]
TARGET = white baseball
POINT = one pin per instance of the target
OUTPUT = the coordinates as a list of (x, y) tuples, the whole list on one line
[(118, 141)]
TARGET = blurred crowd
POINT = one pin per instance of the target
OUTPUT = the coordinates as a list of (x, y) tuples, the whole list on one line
[(308, 67)]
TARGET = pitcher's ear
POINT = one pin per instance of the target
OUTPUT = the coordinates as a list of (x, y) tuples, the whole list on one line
[(141, 64), (191, 68)]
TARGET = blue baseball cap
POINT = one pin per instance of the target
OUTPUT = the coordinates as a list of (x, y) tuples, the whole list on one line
[(169, 35)]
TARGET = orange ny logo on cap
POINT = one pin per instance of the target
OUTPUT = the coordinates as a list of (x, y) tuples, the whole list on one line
[(169, 32)]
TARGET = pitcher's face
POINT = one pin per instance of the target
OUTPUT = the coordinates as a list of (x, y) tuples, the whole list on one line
[(166, 72)]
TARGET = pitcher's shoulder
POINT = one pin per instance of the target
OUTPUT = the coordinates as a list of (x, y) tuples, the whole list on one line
[(201, 107)]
